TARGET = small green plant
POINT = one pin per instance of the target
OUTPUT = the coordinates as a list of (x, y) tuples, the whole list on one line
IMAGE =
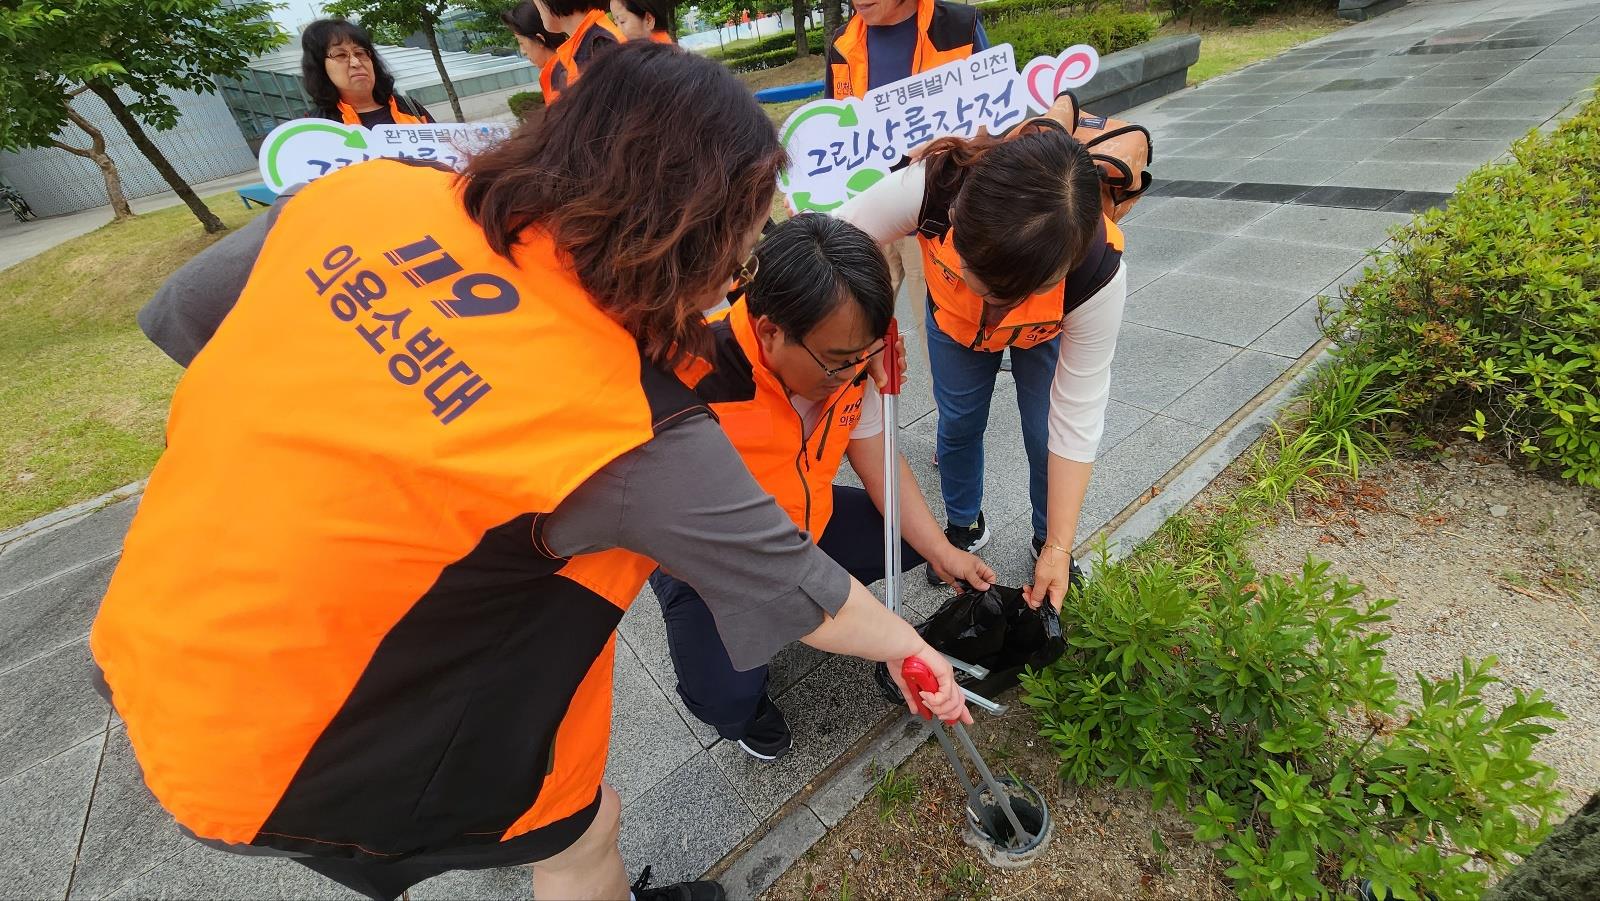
[(966, 881), (1265, 700), (895, 791), (1485, 316), (844, 886), (524, 102)]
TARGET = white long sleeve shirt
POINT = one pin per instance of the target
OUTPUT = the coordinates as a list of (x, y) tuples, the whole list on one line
[(1082, 383)]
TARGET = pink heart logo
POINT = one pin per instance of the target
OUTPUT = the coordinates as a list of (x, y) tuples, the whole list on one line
[(1048, 76)]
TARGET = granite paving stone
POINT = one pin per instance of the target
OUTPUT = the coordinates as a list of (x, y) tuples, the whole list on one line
[(1283, 264), (202, 872), (685, 824), (1404, 150), (127, 830), (648, 737), (1127, 472), (67, 546), (1294, 172), (505, 884), (1144, 372), (1211, 402), (41, 816), (1223, 310), (297, 882), (828, 711), (1525, 92), (47, 706), (1350, 198), (1581, 49), (1267, 128), (1409, 176), (1231, 147), (50, 614), (1358, 229), (1163, 249), (1506, 130), (1292, 334), (1411, 109), (645, 634), (1324, 148), (1356, 129), (774, 853), (1224, 217), (1177, 168), (1502, 109), (1301, 111)]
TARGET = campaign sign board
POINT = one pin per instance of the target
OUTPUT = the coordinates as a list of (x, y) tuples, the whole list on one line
[(839, 148), (307, 149)]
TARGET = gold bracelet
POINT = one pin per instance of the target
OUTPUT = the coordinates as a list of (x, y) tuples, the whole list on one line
[(1058, 548)]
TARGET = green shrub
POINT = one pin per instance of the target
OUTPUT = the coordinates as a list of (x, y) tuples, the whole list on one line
[(772, 59), (1266, 702), (1001, 10), (524, 102), (1046, 34), (1238, 11), (816, 40), (1485, 317)]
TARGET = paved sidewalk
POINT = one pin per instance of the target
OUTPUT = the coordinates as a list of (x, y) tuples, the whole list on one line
[(1278, 181), (21, 241)]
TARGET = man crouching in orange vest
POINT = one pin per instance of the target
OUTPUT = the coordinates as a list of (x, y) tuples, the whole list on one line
[(789, 381)]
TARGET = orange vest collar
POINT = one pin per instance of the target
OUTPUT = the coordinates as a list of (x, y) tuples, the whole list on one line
[(349, 115)]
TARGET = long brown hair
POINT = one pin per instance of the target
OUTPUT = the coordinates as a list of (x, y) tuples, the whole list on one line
[(1024, 208), (648, 174)]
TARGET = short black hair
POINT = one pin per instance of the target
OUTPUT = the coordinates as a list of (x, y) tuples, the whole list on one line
[(314, 44), (524, 19), (661, 9), (573, 7), (811, 264)]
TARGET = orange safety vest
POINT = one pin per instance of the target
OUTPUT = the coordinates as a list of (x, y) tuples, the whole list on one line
[(958, 310), (764, 427), (350, 117), (945, 32), (662, 37), (595, 32), (334, 628)]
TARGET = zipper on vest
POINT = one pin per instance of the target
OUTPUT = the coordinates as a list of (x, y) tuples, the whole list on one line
[(802, 465)]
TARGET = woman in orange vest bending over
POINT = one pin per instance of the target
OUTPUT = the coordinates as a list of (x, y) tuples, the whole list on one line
[(644, 20), (1016, 254), (588, 33), (347, 80), (538, 43), (366, 615)]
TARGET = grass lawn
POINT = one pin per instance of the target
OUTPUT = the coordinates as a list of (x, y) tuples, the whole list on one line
[(1225, 48), (85, 395)]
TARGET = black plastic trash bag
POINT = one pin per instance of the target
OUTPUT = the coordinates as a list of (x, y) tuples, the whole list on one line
[(994, 629)]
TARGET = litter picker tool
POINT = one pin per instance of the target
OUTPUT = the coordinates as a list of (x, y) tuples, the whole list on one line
[(894, 368), (1010, 830)]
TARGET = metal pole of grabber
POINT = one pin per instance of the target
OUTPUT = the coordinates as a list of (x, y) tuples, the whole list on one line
[(894, 368)]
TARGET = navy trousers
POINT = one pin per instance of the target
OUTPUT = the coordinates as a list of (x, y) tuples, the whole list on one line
[(716, 693)]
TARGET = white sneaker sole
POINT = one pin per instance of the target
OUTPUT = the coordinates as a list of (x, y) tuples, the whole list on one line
[(757, 754), (982, 540)]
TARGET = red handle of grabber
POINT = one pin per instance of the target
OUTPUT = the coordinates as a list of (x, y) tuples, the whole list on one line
[(894, 364), (920, 678)]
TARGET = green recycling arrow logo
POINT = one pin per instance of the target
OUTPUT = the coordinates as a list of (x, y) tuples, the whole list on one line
[(845, 114), (353, 138)]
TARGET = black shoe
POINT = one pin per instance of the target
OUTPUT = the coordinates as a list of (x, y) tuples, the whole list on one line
[(968, 538), (768, 737), (678, 891)]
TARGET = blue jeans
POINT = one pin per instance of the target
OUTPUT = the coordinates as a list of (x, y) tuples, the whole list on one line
[(716, 693), (963, 383)]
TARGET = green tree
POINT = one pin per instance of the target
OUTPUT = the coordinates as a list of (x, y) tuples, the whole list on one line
[(484, 29), (394, 20), (51, 51)]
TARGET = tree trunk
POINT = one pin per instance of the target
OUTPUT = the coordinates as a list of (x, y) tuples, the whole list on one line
[(151, 152), (832, 16), (801, 51), (120, 210), (444, 77)]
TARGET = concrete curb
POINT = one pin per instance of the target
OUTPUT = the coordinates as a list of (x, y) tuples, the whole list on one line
[(756, 864), (1140, 74), (66, 514)]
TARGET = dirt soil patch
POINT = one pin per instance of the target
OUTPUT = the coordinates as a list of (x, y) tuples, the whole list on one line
[(1484, 559), (1104, 844), (797, 72)]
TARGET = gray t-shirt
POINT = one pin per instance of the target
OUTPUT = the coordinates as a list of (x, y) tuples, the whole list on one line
[(684, 499)]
